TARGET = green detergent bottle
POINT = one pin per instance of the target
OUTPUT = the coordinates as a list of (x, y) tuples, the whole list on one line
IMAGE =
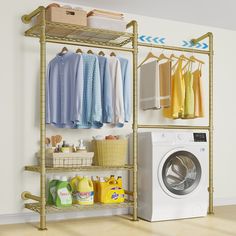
[(52, 190), (63, 198)]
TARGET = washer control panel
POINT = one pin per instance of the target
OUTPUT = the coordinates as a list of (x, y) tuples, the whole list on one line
[(199, 137)]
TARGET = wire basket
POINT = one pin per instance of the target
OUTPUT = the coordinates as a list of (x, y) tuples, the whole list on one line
[(110, 152), (68, 159)]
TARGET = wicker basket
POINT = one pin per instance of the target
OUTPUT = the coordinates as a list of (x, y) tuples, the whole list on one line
[(110, 152)]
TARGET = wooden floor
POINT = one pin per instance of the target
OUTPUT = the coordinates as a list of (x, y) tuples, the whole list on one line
[(222, 223)]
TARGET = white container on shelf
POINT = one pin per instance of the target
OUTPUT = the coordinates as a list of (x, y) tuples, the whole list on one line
[(106, 23)]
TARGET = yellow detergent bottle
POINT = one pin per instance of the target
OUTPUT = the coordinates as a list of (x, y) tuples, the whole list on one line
[(95, 188), (85, 191), (74, 186), (111, 191)]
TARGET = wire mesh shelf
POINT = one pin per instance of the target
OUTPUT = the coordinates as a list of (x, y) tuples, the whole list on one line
[(75, 33), (53, 209), (36, 168)]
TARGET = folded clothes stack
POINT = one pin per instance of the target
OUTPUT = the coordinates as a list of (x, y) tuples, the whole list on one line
[(106, 20)]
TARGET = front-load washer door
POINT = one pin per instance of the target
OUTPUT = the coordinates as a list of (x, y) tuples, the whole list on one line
[(180, 173)]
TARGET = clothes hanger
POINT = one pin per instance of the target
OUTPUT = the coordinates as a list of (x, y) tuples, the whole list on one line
[(64, 50), (163, 57), (113, 54), (187, 58), (79, 50), (149, 55), (101, 53), (196, 60), (89, 52)]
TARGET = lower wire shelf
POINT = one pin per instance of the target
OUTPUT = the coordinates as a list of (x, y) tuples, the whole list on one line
[(36, 168), (53, 209)]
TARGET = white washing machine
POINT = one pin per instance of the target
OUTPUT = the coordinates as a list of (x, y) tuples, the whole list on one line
[(172, 175)]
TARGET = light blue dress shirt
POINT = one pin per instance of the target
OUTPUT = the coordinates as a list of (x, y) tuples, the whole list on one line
[(106, 92), (92, 105), (64, 90), (125, 72)]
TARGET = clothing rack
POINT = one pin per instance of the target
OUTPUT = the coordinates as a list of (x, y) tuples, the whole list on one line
[(41, 31), (209, 127)]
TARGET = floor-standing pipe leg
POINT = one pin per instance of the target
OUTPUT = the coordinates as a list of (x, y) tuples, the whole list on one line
[(42, 122), (135, 118), (211, 188)]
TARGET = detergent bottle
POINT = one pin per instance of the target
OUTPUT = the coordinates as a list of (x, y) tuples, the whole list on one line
[(101, 186), (111, 191), (63, 198), (95, 187), (74, 187), (86, 191), (52, 190)]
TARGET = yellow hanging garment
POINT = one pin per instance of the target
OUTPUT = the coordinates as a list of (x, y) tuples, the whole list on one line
[(197, 88), (176, 110), (189, 95)]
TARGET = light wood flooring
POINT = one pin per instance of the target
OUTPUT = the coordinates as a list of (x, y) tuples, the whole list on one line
[(222, 223)]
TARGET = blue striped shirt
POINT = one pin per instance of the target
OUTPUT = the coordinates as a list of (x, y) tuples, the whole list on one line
[(106, 92), (92, 106)]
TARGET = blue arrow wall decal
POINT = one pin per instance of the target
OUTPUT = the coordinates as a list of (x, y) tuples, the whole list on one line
[(204, 46), (155, 40), (142, 38), (162, 40), (148, 39)]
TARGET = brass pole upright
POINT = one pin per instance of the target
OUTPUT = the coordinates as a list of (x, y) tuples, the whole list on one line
[(42, 121), (211, 187), (211, 53), (135, 119)]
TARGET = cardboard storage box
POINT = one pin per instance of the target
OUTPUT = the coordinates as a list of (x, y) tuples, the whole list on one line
[(64, 15)]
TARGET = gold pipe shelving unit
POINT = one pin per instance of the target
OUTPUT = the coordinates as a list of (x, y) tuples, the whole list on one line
[(51, 32), (60, 33)]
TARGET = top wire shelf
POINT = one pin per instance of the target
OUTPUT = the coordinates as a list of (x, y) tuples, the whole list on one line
[(81, 34)]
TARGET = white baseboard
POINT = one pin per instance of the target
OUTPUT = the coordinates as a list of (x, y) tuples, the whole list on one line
[(34, 217), (224, 201)]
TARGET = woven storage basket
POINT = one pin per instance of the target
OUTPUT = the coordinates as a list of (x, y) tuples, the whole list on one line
[(110, 152)]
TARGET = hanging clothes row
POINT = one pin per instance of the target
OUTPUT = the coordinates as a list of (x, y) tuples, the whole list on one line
[(175, 89), (87, 90)]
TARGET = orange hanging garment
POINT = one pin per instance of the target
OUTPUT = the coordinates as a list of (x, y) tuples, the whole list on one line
[(198, 98), (176, 110)]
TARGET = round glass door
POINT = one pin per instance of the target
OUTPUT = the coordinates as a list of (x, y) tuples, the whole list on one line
[(181, 173)]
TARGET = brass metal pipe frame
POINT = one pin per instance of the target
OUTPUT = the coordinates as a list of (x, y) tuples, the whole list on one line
[(173, 48), (135, 118), (28, 195), (209, 35), (42, 122), (89, 45), (173, 127), (27, 18)]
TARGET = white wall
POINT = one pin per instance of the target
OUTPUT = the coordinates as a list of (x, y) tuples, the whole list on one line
[(19, 121)]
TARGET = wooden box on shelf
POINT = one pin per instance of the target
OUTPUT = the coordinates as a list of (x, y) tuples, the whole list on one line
[(64, 15)]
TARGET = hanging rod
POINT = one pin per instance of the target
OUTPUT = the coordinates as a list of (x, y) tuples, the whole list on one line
[(89, 45), (173, 48), (172, 127)]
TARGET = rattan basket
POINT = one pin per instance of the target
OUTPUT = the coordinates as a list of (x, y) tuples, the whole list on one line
[(110, 152)]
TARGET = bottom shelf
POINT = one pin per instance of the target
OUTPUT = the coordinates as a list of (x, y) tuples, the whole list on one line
[(53, 209)]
